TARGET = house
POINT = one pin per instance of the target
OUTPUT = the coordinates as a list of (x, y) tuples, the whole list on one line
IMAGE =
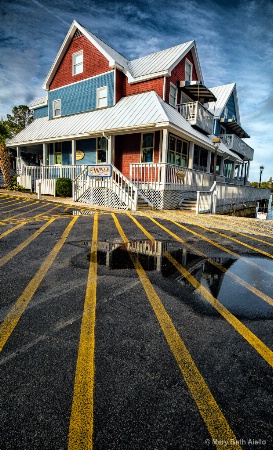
[(132, 133)]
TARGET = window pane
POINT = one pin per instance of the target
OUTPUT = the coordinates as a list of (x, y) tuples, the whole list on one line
[(147, 155), (148, 140)]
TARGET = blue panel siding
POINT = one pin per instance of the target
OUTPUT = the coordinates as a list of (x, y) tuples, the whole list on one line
[(81, 97), (231, 108), (88, 146), (41, 112)]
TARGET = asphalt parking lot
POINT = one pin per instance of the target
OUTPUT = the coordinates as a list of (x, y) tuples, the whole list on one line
[(130, 331)]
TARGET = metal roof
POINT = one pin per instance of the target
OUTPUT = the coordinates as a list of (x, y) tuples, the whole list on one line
[(222, 93), (133, 113), (42, 101), (160, 61)]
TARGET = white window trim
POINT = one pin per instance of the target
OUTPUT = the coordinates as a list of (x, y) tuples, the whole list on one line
[(54, 109), (143, 148), (74, 65), (175, 99), (98, 97), (190, 64)]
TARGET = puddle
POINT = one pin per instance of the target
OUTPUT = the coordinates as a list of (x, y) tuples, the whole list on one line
[(241, 302), (78, 212)]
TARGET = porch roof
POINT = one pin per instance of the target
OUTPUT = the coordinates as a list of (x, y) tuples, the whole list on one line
[(135, 113)]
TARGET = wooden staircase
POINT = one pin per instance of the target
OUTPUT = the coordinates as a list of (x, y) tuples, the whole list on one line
[(188, 204)]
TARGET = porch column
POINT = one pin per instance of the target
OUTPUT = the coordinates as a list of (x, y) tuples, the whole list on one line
[(110, 150), (222, 166), (164, 152), (18, 151), (191, 150), (45, 155), (247, 170), (73, 152), (232, 170), (209, 161)]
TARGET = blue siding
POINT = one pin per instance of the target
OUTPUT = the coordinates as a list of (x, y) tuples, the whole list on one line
[(88, 146), (41, 112), (80, 97), (231, 108)]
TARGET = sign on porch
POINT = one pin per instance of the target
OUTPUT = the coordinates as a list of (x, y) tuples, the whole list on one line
[(99, 170)]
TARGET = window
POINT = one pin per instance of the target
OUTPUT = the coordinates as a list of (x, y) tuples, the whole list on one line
[(77, 63), (178, 151), (147, 148), (172, 95), (101, 150), (56, 108), (188, 71), (102, 99), (58, 153)]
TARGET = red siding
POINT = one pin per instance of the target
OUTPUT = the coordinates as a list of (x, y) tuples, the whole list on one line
[(127, 151), (94, 63), (178, 74), (123, 88)]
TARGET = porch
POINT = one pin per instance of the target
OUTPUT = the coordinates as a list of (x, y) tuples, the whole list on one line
[(150, 185)]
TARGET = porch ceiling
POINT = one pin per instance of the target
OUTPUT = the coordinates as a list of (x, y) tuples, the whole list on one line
[(197, 91), (233, 127)]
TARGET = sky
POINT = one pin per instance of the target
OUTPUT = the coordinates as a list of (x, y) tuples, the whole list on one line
[(234, 41)]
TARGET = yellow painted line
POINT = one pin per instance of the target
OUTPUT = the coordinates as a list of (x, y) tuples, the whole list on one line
[(250, 337), (249, 236), (149, 236), (212, 415), (14, 201), (269, 255), (25, 212), (24, 244), (14, 315), (19, 207), (82, 413), (11, 230), (239, 280), (215, 244)]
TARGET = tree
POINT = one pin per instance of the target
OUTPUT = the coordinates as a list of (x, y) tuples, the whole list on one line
[(22, 116), (4, 155)]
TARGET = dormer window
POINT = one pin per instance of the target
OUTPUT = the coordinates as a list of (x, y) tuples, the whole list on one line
[(102, 97), (188, 71), (77, 63), (56, 108)]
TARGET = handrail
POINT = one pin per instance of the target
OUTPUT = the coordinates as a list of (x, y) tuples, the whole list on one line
[(208, 197), (126, 191)]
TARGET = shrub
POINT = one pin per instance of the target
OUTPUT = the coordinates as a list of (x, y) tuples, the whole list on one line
[(64, 187), (14, 186)]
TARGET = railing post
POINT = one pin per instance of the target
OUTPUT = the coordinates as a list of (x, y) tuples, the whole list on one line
[(197, 202)]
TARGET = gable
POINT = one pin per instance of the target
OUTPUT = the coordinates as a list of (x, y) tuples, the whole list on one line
[(178, 73), (94, 63)]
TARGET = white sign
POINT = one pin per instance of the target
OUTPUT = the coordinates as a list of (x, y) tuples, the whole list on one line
[(99, 170)]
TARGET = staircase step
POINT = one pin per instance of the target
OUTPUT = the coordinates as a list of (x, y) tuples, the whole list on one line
[(188, 204)]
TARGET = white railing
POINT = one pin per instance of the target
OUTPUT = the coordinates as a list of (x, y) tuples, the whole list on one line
[(27, 175), (125, 190), (206, 200), (224, 196), (164, 176), (233, 142), (197, 114), (47, 186)]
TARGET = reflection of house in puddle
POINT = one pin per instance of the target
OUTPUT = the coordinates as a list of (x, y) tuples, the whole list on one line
[(116, 255), (204, 270)]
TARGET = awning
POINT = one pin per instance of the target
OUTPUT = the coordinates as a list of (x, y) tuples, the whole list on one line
[(233, 127), (197, 91)]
